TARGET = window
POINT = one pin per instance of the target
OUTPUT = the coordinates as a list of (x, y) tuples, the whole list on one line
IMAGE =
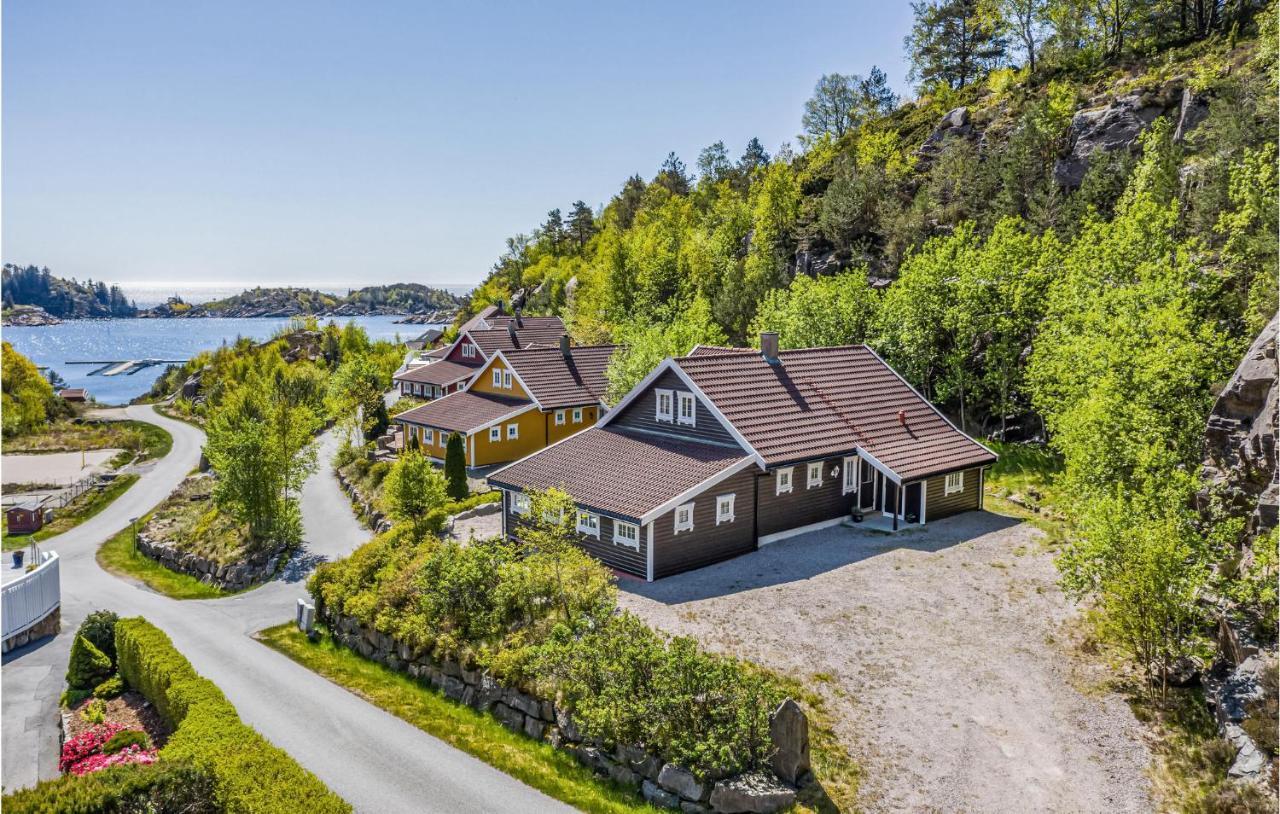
[(428, 437), (627, 534), (513, 432), (955, 483), (577, 415), (684, 517), (506, 379), (687, 414), (724, 509), (664, 412), (589, 524), (520, 503), (468, 350), (815, 475), (850, 483), (782, 484), (495, 433), (497, 377), (559, 417), (549, 516)]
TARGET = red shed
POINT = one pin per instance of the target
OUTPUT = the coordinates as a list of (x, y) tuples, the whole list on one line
[(25, 518)]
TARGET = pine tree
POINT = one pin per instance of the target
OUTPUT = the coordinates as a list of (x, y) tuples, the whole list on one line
[(455, 468), (553, 231), (582, 224), (673, 175), (954, 41)]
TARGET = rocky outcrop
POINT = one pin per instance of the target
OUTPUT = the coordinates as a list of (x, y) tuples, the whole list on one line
[(28, 316), (1193, 110), (663, 784), (1113, 127), (955, 124), (235, 576)]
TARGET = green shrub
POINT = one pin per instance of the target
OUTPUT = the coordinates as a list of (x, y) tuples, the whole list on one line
[(110, 688), (99, 628), (378, 473), (168, 787), (94, 712), (124, 739), (455, 467), (88, 666), (72, 697), (250, 775)]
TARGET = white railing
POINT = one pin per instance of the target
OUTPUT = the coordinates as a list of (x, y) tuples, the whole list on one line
[(32, 596)]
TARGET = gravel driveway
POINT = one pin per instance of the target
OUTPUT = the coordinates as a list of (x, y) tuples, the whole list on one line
[(944, 653)]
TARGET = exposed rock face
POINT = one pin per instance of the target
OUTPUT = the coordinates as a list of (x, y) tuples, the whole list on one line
[(1240, 440), (954, 124), (29, 316), (1191, 112), (789, 729), (1107, 129)]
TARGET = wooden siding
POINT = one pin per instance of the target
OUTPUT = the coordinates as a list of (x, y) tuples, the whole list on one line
[(557, 432), (439, 440), (707, 543), (802, 505), (532, 437), (640, 414), (484, 383), (455, 354), (938, 504), (604, 549)]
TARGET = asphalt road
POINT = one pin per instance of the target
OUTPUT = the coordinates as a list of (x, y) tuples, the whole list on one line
[(374, 760)]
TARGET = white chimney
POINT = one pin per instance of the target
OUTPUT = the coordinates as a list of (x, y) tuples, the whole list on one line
[(769, 346)]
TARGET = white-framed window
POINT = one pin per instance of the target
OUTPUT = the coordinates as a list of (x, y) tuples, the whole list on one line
[(513, 432), (850, 482), (577, 415), (627, 534), (559, 418), (495, 433), (506, 379), (684, 517), (468, 350), (955, 483), (782, 481), (429, 437), (589, 524), (497, 377), (549, 516), (520, 503), (665, 411), (687, 411), (814, 477), (724, 509)]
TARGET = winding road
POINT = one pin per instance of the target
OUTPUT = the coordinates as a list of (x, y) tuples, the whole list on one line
[(374, 760)]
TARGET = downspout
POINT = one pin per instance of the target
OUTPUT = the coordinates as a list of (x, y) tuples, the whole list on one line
[(755, 508)]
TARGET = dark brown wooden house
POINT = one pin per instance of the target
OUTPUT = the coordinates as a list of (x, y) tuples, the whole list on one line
[(727, 449), (27, 517)]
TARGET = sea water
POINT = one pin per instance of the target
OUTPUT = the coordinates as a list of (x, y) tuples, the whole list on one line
[(53, 346)]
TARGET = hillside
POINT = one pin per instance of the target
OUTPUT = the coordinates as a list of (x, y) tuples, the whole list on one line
[(398, 298), (61, 298)]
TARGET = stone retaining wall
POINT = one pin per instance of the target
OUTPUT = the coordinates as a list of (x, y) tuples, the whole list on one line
[(227, 576), (369, 514), (663, 784), (48, 626)]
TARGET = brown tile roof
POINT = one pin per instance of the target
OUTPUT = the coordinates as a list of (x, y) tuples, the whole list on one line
[(545, 335), (558, 382), (825, 401), (439, 373), (618, 472), (463, 411), (486, 313)]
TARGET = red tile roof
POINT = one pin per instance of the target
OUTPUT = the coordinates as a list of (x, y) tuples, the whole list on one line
[(559, 382), (462, 412), (439, 373), (825, 401), (618, 472)]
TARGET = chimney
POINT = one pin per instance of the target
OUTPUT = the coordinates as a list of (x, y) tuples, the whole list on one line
[(511, 332), (564, 346), (902, 417), (769, 346), (519, 320)]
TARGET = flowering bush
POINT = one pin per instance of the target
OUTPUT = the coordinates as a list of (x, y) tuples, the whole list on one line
[(130, 754), (88, 742)]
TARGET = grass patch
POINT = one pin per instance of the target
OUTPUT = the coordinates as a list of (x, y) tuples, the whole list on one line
[(406, 403), (535, 763), (838, 775), (74, 513), (120, 555), (1026, 470), (190, 520), (134, 437)]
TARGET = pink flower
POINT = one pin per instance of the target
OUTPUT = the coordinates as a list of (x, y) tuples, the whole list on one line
[(85, 744), (130, 754)]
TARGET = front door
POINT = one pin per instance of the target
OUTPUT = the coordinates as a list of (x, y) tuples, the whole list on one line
[(867, 490), (890, 504), (913, 503)]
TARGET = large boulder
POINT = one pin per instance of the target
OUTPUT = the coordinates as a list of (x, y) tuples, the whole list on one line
[(1104, 129), (681, 781), (753, 793), (789, 731)]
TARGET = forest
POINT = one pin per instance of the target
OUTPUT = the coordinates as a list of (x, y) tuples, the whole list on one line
[(1068, 237), (62, 298)]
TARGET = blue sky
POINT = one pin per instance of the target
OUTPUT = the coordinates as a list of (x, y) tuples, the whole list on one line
[(328, 143)]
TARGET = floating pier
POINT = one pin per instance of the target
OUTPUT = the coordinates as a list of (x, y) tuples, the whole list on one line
[(127, 367)]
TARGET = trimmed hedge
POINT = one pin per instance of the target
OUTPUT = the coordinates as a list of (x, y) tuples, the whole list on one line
[(250, 775), (164, 788)]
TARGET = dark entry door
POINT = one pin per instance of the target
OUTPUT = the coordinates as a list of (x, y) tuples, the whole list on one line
[(867, 490), (890, 505), (912, 514)]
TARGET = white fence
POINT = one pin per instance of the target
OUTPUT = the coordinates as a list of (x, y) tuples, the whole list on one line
[(32, 596)]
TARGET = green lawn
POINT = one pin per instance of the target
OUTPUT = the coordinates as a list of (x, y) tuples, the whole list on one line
[(119, 556), (549, 770), (75, 513)]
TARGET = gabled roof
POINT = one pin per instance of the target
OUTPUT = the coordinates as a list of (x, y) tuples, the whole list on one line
[(438, 373), (615, 472), (464, 411), (818, 402), (555, 381), (481, 320), (546, 333)]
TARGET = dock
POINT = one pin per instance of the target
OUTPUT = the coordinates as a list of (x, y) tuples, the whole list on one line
[(125, 367)]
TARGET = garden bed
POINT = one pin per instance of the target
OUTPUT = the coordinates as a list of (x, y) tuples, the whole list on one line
[(130, 711)]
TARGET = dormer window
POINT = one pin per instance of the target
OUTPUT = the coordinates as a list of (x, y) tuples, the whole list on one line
[(468, 350), (589, 524), (687, 411), (665, 410), (497, 377)]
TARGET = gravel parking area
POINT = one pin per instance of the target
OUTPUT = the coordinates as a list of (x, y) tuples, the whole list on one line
[(944, 651)]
